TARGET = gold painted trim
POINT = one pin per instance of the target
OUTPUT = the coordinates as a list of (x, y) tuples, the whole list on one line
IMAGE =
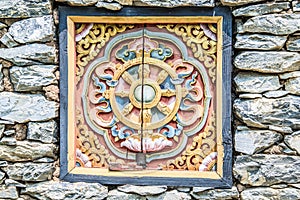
[(145, 173), (71, 94), (144, 20)]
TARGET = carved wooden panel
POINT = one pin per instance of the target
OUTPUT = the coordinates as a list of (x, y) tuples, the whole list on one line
[(145, 98)]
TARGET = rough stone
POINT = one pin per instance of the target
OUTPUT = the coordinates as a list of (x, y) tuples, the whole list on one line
[(66, 191), (10, 182), (259, 41), (27, 151), (45, 132), (256, 82), (201, 189), (270, 193), (21, 130), (24, 8), (250, 96), (44, 160), (31, 54), (32, 77), (39, 29), (8, 41), (9, 132), (116, 195), (217, 194), (238, 2), (266, 170), (293, 44), (10, 141), (1, 79), (109, 6), (262, 112), (277, 24), (275, 94), (261, 9), (293, 85), (296, 6), (3, 163), (9, 192), (79, 2), (293, 141), (2, 176), (2, 127), (52, 92), (288, 75), (255, 141), (183, 189), (281, 129), (176, 3), (173, 194), (2, 25), (143, 190), (268, 62), (29, 171), (22, 108)]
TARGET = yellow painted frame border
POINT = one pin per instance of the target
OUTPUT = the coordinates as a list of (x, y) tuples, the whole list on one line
[(71, 20)]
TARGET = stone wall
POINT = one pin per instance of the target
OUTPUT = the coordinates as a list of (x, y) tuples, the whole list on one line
[(266, 103)]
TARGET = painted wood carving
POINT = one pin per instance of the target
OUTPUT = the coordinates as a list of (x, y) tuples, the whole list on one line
[(143, 94)]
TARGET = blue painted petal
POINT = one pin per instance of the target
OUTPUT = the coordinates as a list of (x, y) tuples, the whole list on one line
[(99, 84)]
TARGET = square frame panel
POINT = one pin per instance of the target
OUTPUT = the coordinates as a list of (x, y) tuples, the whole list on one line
[(222, 177)]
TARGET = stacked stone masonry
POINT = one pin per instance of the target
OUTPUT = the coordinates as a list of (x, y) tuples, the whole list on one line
[(266, 111)]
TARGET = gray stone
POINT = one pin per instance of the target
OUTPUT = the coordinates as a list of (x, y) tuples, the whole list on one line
[(215, 194), (266, 170), (22, 108), (296, 6), (279, 186), (173, 194), (45, 132), (288, 75), (10, 141), (293, 44), (286, 150), (9, 132), (275, 94), (109, 6), (44, 160), (79, 2), (116, 195), (277, 24), (32, 77), (9, 192), (27, 151), (261, 9), (177, 3), (255, 141), (250, 96), (2, 176), (143, 190), (293, 85), (259, 41), (39, 29), (10, 182), (66, 191), (238, 2), (2, 25), (2, 127), (256, 82), (31, 54), (3, 163), (24, 8), (268, 62), (1, 79), (270, 193), (262, 112), (8, 41), (293, 141), (183, 189), (29, 171), (281, 129)]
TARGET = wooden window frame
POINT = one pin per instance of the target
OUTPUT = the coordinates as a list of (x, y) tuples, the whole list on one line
[(222, 178)]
